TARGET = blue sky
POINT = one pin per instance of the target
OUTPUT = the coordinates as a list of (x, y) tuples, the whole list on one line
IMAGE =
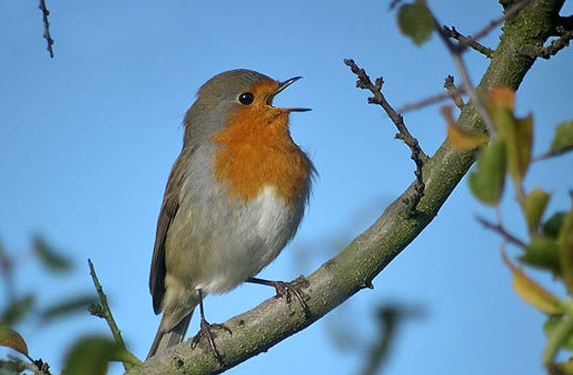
[(87, 140)]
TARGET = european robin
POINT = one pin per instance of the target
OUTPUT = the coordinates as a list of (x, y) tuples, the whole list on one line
[(234, 198)]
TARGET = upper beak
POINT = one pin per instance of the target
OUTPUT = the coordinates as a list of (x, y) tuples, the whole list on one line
[(283, 85)]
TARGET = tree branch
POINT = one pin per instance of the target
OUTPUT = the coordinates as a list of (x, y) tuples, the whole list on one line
[(454, 92), (103, 311), (418, 156), (47, 35), (556, 45), (498, 228), (257, 330), (468, 40)]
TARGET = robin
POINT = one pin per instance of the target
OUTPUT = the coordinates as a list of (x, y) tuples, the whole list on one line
[(234, 198)]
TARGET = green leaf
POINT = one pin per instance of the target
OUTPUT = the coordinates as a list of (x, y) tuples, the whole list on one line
[(565, 240), (68, 306), (516, 132), (543, 252), (17, 310), (416, 21), (531, 292), (50, 257), (90, 356), (12, 339), (563, 140), (534, 207), (553, 224), (550, 326), (487, 182)]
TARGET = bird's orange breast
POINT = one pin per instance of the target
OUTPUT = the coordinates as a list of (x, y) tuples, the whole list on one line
[(257, 151)]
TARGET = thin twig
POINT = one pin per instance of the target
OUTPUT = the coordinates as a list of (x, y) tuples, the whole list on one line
[(456, 50), (430, 100), (501, 230), (418, 156), (454, 92), (469, 41), (47, 35), (103, 311)]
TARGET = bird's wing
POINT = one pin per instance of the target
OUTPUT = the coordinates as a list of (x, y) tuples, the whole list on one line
[(168, 211)]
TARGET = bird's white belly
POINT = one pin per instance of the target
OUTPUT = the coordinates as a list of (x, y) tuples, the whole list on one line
[(252, 236)]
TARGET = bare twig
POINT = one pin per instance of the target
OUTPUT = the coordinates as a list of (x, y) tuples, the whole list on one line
[(47, 35), (456, 50), (501, 230), (103, 311), (418, 156), (454, 92), (469, 41), (430, 100), (394, 4)]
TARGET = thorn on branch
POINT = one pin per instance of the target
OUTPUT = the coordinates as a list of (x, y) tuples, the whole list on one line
[(47, 35), (467, 41), (418, 155)]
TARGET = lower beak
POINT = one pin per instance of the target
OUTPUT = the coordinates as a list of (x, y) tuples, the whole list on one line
[(283, 85)]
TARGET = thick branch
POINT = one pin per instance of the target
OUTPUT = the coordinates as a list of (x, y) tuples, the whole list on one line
[(355, 267)]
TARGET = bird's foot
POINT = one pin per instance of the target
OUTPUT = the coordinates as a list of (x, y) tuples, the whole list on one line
[(206, 331), (284, 289)]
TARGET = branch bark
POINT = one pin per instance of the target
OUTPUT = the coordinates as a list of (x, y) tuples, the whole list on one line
[(257, 330)]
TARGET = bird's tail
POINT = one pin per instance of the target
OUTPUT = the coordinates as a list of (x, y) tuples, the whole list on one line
[(164, 339)]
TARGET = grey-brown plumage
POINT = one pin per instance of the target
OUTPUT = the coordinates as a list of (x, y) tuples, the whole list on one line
[(209, 238)]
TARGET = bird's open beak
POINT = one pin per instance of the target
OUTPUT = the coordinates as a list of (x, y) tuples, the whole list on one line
[(283, 85)]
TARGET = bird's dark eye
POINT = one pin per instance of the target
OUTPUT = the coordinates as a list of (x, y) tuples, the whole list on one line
[(246, 98)]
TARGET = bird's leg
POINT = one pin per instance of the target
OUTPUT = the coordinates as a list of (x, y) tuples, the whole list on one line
[(206, 331), (283, 289)]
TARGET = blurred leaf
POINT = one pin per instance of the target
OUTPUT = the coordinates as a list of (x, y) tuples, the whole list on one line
[(416, 21), (565, 240), (90, 356), (533, 293), (549, 327), (49, 257), (553, 224), (534, 207), (517, 133), (80, 303), (12, 339), (487, 182), (563, 368), (519, 141), (543, 252), (502, 97), (17, 310), (563, 140), (460, 138)]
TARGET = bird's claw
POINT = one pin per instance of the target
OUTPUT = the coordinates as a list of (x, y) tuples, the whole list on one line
[(287, 290), (205, 330)]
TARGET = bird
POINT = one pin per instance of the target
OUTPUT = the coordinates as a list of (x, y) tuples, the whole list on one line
[(235, 197)]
